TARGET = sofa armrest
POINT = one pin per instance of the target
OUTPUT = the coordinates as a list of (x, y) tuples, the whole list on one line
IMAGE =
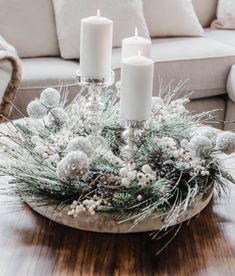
[(231, 84), (10, 76)]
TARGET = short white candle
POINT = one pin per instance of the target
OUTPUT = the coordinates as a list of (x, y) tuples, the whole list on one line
[(96, 46), (136, 88), (131, 46)]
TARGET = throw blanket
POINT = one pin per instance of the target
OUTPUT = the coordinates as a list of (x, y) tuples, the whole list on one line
[(7, 52)]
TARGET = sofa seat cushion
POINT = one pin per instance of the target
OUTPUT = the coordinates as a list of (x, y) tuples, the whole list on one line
[(224, 36), (48, 71)]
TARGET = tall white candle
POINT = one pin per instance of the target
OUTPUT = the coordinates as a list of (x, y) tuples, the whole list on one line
[(96, 46), (136, 88), (131, 46)]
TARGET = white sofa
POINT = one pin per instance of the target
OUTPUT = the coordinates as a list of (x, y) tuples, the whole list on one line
[(204, 61)]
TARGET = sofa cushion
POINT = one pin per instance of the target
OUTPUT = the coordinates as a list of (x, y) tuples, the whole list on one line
[(225, 15), (126, 15), (29, 26), (203, 61), (206, 11), (224, 36), (171, 18)]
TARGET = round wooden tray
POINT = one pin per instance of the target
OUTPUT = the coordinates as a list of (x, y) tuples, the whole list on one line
[(107, 224)]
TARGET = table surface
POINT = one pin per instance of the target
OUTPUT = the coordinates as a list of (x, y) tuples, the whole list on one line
[(32, 245)]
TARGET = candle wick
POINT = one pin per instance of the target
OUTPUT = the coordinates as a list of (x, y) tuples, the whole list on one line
[(136, 32)]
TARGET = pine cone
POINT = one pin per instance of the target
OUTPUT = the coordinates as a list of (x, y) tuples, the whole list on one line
[(106, 185), (155, 160)]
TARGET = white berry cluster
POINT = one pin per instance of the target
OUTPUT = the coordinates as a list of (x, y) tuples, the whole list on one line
[(166, 143), (74, 165), (177, 106), (143, 177), (42, 149), (108, 156), (197, 167), (194, 163), (61, 139), (88, 205), (48, 152), (162, 112), (183, 152)]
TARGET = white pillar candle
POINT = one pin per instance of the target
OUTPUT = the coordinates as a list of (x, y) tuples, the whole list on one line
[(136, 88), (131, 46), (96, 47)]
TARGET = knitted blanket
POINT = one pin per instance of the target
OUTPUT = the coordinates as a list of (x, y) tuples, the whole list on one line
[(7, 52)]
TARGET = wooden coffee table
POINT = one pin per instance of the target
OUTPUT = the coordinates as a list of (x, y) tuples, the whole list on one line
[(32, 245)]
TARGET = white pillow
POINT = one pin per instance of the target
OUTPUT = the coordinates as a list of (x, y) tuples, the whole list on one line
[(29, 26), (225, 15), (172, 18), (126, 15)]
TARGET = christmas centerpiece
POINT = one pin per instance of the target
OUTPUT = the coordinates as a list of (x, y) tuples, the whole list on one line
[(113, 158), (58, 158)]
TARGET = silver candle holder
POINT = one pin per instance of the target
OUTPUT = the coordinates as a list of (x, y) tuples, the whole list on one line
[(132, 135), (96, 88), (118, 88)]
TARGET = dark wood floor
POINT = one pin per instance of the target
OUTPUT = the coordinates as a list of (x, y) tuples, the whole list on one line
[(32, 245)]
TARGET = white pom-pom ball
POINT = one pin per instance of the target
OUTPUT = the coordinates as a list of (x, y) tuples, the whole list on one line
[(36, 110), (208, 132), (226, 142), (50, 97), (201, 145), (74, 165), (80, 143)]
